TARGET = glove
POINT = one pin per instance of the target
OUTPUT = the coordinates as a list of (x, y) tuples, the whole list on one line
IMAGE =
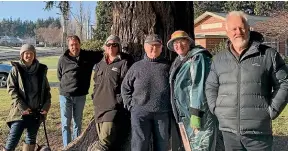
[(195, 122)]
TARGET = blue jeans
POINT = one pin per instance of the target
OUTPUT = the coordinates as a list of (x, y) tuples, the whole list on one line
[(144, 124), (17, 128), (71, 107)]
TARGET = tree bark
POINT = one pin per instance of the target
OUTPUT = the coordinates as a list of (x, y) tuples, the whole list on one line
[(86, 140), (132, 22)]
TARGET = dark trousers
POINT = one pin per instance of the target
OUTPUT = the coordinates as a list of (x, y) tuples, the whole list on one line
[(16, 130), (145, 125), (234, 142)]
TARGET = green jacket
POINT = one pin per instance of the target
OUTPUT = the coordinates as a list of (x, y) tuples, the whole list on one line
[(15, 87), (187, 79)]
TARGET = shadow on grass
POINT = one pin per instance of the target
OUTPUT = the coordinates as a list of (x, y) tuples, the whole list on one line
[(280, 143)]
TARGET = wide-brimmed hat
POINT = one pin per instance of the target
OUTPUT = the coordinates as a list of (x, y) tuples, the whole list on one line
[(178, 35)]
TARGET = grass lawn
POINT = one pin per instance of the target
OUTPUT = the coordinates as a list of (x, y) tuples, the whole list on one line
[(52, 75), (280, 125), (51, 61)]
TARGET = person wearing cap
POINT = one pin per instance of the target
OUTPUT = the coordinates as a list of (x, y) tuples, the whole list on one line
[(112, 120), (187, 78), (74, 73), (29, 89), (145, 92)]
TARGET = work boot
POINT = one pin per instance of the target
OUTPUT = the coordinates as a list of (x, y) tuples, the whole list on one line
[(28, 147)]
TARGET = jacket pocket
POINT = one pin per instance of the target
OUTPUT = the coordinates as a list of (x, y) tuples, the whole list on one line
[(273, 114), (268, 108), (219, 100), (99, 77), (14, 113)]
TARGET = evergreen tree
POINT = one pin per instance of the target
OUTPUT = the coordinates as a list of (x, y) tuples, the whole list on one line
[(104, 20)]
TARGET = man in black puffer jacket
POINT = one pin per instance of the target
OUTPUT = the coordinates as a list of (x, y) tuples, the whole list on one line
[(247, 88)]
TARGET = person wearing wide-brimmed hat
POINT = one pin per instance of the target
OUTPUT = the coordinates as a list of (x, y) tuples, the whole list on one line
[(187, 79)]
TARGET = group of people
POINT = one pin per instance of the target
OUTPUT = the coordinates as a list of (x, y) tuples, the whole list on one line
[(239, 92)]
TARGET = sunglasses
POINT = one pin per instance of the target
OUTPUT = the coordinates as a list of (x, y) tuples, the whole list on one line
[(111, 44)]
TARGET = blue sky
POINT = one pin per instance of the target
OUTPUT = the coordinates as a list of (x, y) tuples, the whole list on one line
[(32, 10)]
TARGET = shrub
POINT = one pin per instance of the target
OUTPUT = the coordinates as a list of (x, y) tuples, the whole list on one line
[(92, 45), (220, 47)]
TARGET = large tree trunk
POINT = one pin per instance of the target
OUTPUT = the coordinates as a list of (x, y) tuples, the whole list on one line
[(132, 22)]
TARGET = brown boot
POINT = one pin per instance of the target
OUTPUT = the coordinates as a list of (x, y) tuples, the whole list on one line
[(25, 147), (28, 147)]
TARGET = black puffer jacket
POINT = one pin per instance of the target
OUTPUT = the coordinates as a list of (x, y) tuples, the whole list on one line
[(247, 93)]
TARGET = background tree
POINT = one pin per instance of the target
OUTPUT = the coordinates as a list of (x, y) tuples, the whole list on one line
[(201, 7), (264, 8), (64, 7), (103, 12), (79, 21), (21, 29), (238, 6), (50, 35)]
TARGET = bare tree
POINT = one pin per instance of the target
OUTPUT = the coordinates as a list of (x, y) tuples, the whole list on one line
[(80, 22), (50, 35), (88, 14), (64, 7), (276, 27), (81, 18)]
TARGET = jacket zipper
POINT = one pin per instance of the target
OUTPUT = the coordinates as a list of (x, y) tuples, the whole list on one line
[(238, 62), (238, 96), (106, 71), (43, 90)]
